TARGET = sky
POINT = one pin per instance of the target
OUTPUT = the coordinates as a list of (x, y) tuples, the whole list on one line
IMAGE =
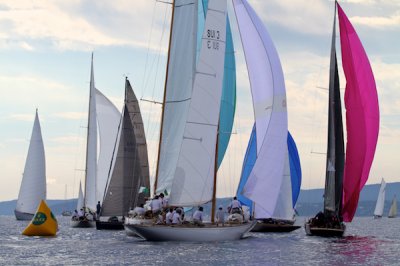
[(45, 51)]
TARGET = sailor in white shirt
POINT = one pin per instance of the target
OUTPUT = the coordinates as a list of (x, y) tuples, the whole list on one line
[(235, 206), (168, 217), (198, 217), (176, 217), (155, 205), (137, 211), (220, 216), (163, 200)]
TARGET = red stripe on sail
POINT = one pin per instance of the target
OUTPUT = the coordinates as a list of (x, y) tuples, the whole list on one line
[(362, 115)]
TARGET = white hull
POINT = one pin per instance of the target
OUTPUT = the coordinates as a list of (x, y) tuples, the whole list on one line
[(208, 233), (21, 216), (135, 221)]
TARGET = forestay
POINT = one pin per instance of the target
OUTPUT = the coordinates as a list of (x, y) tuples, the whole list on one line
[(194, 175), (269, 103)]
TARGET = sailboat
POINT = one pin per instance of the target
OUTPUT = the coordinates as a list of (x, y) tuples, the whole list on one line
[(393, 208), (130, 170), (33, 185), (66, 212), (193, 178), (345, 177), (380, 202), (266, 181), (104, 116)]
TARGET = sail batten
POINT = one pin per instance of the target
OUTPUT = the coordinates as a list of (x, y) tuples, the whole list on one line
[(269, 103), (362, 115)]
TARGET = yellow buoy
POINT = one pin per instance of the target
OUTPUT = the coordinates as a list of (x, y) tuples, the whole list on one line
[(44, 223)]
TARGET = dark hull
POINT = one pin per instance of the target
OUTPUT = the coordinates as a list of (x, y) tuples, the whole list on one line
[(82, 224), (272, 227), (22, 216), (102, 225), (324, 231)]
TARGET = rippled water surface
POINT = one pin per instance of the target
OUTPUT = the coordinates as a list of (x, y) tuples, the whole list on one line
[(367, 242)]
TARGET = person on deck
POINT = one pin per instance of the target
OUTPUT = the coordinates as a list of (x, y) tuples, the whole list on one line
[(137, 211), (220, 216), (98, 209), (163, 200), (168, 216), (235, 206), (81, 214), (176, 217), (198, 217), (155, 206)]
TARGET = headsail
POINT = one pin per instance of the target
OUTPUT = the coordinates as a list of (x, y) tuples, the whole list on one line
[(393, 208), (194, 175), (179, 84), (362, 115), (269, 103), (335, 150), (33, 185), (91, 148), (108, 118), (380, 202), (228, 99)]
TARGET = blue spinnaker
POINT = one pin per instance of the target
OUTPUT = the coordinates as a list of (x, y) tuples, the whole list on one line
[(250, 159), (248, 163), (228, 99), (295, 168)]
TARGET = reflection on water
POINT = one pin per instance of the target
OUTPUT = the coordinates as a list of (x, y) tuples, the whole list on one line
[(367, 242)]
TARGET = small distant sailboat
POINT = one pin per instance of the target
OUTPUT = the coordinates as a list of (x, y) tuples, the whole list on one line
[(380, 202), (44, 223), (345, 178), (130, 170), (393, 208), (266, 182), (33, 185), (66, 212)]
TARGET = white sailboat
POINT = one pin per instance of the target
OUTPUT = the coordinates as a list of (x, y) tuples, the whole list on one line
[(33, 185), (192, 181), (104, 116), (380, 202), (393, 208)]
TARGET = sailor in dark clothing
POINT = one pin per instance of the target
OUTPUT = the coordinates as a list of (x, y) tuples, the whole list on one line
[(98, 209)]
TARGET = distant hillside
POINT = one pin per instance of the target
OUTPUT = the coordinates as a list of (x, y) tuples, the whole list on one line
[(310, 201)]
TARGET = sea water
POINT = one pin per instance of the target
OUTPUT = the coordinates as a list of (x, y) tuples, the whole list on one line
[(366, 242)]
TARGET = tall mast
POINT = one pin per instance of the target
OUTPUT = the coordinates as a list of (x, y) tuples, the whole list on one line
[(165, 95), (88, 129), (214, 196)]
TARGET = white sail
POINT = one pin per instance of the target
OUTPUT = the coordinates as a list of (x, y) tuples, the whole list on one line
[(79, 204), (380, 202), (108, 118), (181, 69), (194, 175), (269, 103), (91, 148), (33, 185), (284, 206), (393, 208)]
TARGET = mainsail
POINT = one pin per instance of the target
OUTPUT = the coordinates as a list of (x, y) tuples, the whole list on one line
[(179, 81), (393, 208), (269, 103), (108, 118), (380, 202), (362, 115), (79, 204), (33, 185), (127, 173), (194, 175), (91, 148), (335, 149)]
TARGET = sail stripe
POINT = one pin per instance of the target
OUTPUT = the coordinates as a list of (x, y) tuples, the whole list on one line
[(362, 115)]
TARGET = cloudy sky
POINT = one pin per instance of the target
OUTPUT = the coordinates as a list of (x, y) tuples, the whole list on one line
[(45, 48)]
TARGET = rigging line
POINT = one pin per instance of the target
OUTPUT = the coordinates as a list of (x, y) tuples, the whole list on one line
[(148, 48)]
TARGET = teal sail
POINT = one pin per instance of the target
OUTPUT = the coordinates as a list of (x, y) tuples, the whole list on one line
[(228, 99)]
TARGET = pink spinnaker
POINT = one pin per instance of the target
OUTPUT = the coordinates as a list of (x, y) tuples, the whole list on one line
[(362, 115)]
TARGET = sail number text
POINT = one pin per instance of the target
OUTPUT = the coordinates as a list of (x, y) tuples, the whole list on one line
[(213, 44)]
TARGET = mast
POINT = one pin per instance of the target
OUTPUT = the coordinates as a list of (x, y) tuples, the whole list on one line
[(165, 95), (88, 129), (214, 195), (335, 146)]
